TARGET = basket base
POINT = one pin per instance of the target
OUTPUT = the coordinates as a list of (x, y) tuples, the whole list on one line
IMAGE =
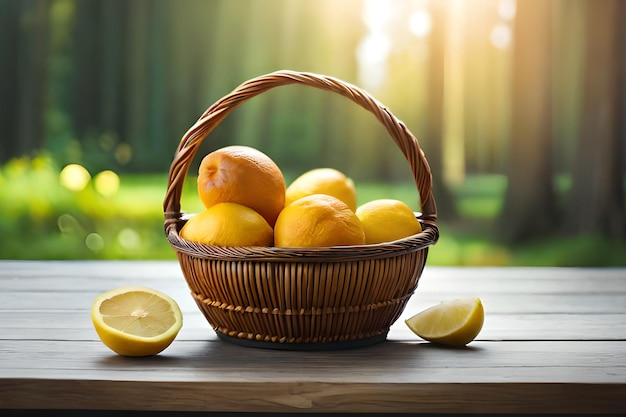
[(349, 344)]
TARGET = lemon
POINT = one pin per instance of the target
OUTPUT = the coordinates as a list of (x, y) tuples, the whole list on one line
[(243, 175), (228, 224), (385, 220), (135, 320), (455, 322), (318, 220), (328, 181)]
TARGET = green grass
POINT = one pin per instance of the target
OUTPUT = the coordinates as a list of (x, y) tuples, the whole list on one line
[(480, 196), (43, 220)]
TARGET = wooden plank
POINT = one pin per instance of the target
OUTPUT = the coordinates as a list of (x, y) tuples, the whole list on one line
[(194, 376), (494, 303), (72, 325), (386, 363), (80, 275), (316, 397), (36, 285)]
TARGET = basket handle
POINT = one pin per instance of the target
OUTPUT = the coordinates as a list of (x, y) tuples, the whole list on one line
[(192, 139)]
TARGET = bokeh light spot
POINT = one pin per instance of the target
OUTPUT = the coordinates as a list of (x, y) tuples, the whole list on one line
[(421, 23), (501, 36), (123, 153), (94, 242), (507, 9), (129, 239), (74, 177), (67, 224), (107, 183)]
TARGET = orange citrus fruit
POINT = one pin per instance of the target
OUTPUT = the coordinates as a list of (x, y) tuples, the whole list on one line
[(228, 224), (387, 219), (323, 181), (242, 175), (135, 320), (455, 322), (318, 220)]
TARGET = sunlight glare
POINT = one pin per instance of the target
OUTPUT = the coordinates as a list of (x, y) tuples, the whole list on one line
[(377, 13), (421, 23), (507, 9), (374, 49), (500, 36)]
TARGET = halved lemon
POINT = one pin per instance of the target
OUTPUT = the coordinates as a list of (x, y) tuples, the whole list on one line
[(136, 320), (453, 322)]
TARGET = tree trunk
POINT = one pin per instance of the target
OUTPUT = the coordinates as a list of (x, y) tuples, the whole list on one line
[(529, 208), (32, 77), (9, 39), (596, 204), (87, 71), (433, 140), (113, 14), (137, 80), (157, 159)]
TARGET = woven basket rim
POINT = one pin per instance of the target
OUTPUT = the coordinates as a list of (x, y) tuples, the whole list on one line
[(398, 247)]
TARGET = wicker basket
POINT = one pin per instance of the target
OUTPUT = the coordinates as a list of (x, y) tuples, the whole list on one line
[(292, 298)]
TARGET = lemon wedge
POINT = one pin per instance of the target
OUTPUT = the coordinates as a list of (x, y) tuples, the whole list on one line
[(135, 320), (455, 322)]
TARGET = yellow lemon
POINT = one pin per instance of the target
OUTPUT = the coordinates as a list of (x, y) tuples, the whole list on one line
[(318, 220), (228, 224), (135, 320), (322, 181), (455, 322), (242, 175), (385, 220)]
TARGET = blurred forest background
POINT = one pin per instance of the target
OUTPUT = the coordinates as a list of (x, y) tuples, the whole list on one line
[(518, 106)]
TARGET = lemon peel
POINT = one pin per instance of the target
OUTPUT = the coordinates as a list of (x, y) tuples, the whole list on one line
[(243, 175), (386, 220), (228, 224), (318, 220), (328, 181)]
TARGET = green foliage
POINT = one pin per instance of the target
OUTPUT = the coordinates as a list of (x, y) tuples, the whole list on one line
[(42, 219), (114, 85), (45, 220), (481, 196)]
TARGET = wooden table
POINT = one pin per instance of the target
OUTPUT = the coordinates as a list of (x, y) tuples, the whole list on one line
[(554, 341)]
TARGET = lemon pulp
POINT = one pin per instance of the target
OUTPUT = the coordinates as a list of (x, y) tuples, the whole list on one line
[(136, 321), (454, 322)]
